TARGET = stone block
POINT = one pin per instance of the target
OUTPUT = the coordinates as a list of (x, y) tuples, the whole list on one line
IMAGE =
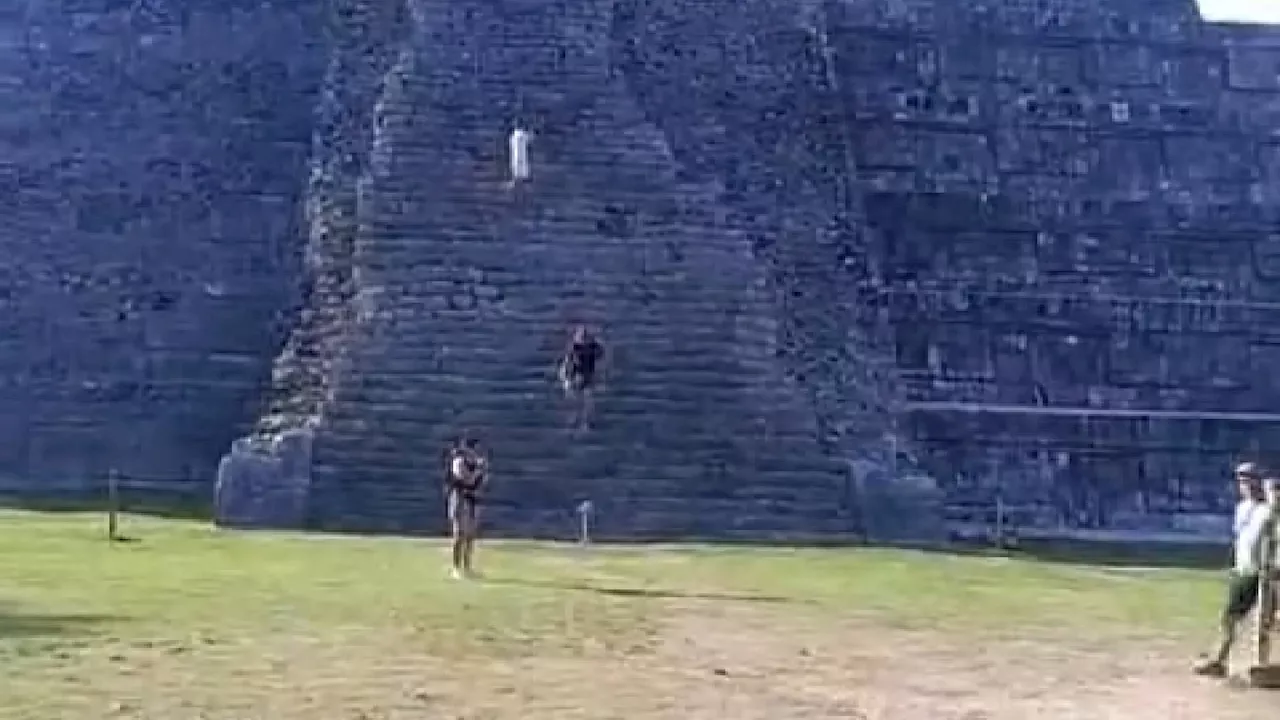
[(265, 484)]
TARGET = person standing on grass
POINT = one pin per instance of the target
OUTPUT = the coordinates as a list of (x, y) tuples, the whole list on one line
[(466, 470), (1252, 528)]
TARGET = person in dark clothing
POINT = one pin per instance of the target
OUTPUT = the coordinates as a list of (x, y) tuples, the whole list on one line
[(466, 470), (579, 370)]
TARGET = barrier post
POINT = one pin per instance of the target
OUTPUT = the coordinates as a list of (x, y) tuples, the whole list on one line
[(585, 510), (1000, 532)]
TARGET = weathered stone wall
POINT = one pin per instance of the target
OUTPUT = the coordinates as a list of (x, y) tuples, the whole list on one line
[(364, 39), (748, 96), (151, 157), (1025, 248), (1076, 210)]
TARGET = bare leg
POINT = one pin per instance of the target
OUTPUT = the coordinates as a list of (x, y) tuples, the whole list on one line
[(1227, 640), (1242, 596), (571, 394), (585, 401), (469, 542), (1215, 665), (468, 553), (459, 549)]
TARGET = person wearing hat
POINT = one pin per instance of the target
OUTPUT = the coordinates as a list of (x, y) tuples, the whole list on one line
[(1251, 525)]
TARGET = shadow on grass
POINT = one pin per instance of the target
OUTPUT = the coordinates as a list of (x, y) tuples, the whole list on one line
[(18, 625), (1170, 555), (1149, 555), (178, 507), (1163, 554), (1184, 555), (1193, 556), (633, 592)]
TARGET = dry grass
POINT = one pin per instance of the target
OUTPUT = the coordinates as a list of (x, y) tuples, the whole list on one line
[(192, 623)]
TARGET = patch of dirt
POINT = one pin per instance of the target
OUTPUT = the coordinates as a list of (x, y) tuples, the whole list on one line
[(786, 667), (715, 660)]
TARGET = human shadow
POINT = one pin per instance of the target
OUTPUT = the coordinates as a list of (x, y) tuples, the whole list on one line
[(647, 593), (19, 625)]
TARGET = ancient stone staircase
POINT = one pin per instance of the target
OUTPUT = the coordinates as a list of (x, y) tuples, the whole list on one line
[(765, 123), (466, 291)]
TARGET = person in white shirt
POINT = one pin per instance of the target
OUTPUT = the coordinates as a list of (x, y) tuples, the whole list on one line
[(518, 155), (1252, 525)]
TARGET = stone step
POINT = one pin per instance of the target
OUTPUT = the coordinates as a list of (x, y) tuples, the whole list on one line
[(561, 99), (541, 432), (610, 404), (682, 456), (505, 363), (433, 109), (658, 304), (430, 76), (622, 315), (423, 118), (532, 368), (691, 439), (616, 477), (649, 303), (454, 163), (471, 144), (629, 380), (566, 483), (424, 497), (550, 184), (423, 245), (476, 213), (608, 410), (684, 433), (529, 444), (428, 110), (637, 375), (718, 364), (748, 425), (444, 169), (638, 330)]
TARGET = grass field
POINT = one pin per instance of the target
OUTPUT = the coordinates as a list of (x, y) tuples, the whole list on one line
[(189, 622)]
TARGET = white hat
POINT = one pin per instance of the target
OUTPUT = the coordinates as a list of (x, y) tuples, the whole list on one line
[(1249, 469)]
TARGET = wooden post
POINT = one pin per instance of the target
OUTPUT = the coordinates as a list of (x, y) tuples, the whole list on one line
[(113, 506)]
